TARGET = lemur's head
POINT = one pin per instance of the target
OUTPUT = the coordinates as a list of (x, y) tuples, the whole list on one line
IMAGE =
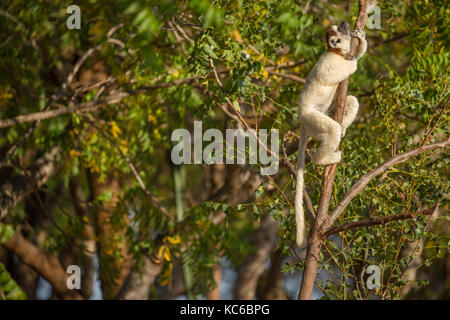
[(338, 39)]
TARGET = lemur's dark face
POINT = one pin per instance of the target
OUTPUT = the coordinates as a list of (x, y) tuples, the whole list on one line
[(338, 38)]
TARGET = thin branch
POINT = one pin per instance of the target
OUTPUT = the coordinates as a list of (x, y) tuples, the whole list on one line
[(88, 106), (211, 63), (287, 65), (189, 24), (394, 38), (183, 33), (179, 39), (376, 221), (365, 179), (78, 65), (285, 159), (286, 76), (309, 206), (223, 106), (280, 191), (430, 131)]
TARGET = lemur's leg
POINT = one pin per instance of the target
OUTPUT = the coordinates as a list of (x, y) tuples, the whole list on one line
[(351, 109), (328, 132)]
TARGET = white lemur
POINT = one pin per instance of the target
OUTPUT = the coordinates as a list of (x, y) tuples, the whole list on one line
[(315, 102)]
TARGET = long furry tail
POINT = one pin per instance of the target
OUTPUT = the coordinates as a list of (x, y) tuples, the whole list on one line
[(299, 213)]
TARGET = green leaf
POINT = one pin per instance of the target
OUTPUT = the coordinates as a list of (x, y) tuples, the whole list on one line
[(210, 51), (236, 105), (6, 232), (211, 42), (105, 196)]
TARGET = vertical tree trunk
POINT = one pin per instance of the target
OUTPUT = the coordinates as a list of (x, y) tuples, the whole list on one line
[(179, 174), (253, 266), (114, 260), (214, 294), (270, 287), (315, 241)]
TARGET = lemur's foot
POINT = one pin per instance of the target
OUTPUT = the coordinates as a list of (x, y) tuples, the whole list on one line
[(330, 158), (358, 33)]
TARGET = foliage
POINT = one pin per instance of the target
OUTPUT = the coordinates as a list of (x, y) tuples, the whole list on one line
[(9, 290)]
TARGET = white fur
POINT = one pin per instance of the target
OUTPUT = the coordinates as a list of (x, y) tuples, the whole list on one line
[(315, 101)]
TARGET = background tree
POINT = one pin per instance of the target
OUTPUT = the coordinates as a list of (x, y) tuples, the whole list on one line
[(86, 177)]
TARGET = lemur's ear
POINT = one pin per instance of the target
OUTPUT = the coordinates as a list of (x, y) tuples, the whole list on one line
[(344, 28), (331, 31)]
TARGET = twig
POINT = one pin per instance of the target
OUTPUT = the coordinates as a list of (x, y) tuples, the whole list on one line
[(211, 63), (189, 24), (223, 106), (280, 191), (178, 39), (287, 65), (286, 76), (89, 106), (376, 221), (394, 38), (430, 131), (183, 33)]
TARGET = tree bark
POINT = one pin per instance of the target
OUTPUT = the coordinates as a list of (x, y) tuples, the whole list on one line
[(86, 247), (315, 241), (253, 267), (271, 283), (214, 293), (138, 283), (47, 265), (114, 260)]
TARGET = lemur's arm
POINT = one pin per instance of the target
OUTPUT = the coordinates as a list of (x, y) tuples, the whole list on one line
[(331, 72), (362, 46)]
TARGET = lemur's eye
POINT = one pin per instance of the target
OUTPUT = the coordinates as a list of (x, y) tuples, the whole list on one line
[(338, 41)]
